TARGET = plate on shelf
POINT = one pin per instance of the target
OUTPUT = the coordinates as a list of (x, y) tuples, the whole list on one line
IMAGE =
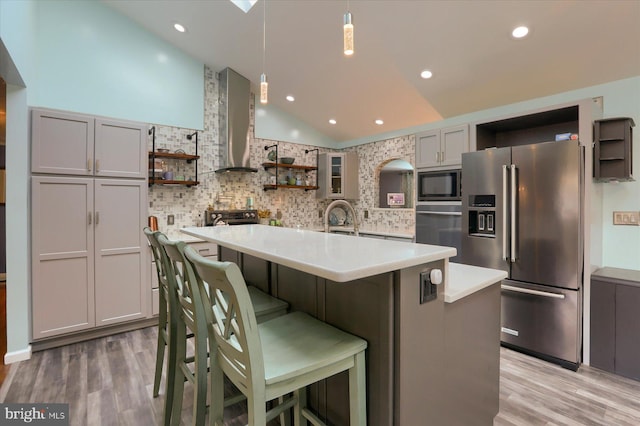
[(337, 216)]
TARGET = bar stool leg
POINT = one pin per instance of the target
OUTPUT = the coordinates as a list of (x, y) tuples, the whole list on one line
[(357, 392)]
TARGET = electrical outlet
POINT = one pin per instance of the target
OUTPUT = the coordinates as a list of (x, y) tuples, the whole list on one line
[(428, 290), (170, 219), (366, 214), (626, 218)]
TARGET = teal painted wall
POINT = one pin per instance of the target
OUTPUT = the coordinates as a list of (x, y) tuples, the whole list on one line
[(274, 124), (93, 60), (17, 32), (17, 56)]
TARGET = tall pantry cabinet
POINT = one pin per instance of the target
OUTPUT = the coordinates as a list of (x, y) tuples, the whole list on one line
[(88, 208)]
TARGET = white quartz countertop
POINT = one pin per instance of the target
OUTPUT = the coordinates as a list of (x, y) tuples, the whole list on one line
[(467, 279), (335, 257)]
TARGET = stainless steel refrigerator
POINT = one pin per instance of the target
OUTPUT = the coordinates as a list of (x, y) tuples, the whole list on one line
[(522, 213)]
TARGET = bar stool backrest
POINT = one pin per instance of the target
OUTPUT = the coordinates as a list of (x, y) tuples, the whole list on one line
[(190, 306), (233, 321)]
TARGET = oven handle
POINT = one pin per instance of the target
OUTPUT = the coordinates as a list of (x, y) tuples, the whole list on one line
[(534, 292), (441, 213)]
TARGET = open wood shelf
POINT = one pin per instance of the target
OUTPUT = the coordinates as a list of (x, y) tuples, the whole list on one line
[(268, 187), (173, 155), (268, 166), (173, 182)]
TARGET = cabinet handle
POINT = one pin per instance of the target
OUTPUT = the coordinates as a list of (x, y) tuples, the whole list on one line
[(97, 165), (97, 217), (89, 217), (88, 164)]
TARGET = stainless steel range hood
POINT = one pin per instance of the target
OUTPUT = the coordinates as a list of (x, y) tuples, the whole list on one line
[(233, 116)]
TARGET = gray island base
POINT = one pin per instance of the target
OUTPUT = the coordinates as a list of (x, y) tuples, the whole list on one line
[(433, 363)]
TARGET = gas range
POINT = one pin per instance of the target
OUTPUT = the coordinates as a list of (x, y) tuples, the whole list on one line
[(230, 217)]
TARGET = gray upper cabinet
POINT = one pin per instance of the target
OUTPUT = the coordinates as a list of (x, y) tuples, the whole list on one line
[(442, 148), (338, 176), (77, 144), (120, 149)]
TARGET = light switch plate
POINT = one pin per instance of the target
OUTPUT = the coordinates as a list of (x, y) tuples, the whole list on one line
[(626, 218), (170, 219)]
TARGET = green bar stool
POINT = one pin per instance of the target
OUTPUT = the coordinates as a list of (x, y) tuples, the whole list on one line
[(191, 316), (273, 359), (167, 321)]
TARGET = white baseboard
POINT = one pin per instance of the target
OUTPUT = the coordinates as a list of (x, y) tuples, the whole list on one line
[(15, 356)]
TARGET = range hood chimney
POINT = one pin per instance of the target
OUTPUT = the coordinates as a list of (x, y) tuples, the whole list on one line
[(233, 116)]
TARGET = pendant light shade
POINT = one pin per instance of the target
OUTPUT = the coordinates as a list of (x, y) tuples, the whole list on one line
[(264, 89), (348, 34)]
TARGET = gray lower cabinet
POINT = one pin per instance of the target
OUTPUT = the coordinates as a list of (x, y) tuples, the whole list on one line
[(88, 253), (615, 321)]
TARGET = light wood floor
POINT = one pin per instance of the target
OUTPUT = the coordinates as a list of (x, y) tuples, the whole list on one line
[(109, 381)]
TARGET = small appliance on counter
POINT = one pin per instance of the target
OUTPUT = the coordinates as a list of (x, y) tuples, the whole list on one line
[(231, 217)]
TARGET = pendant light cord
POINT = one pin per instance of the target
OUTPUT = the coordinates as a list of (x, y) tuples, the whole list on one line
[(264, 32)]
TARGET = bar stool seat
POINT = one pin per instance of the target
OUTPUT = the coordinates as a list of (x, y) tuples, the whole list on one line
[(273, 359)]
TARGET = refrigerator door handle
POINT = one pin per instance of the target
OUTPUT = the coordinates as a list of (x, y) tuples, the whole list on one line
[(514, 213), (533, 292), (505, 179)]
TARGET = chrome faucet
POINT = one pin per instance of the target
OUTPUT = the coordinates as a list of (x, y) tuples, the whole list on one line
[(346, 204)]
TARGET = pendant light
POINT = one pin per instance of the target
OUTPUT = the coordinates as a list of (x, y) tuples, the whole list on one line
[(348, 32), (264, 85)]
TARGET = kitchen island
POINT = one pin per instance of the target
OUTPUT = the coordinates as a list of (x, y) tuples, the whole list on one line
[(433, 349)]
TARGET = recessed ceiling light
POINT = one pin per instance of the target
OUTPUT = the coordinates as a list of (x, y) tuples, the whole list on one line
[(426, 74), (379, 122), (179, 28), (332, 121), (520, 32), (290, 98)]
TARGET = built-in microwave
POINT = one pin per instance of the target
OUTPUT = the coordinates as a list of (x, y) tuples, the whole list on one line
[(442, 185)]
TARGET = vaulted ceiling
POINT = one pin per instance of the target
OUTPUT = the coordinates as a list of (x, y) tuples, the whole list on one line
[(467, 44)]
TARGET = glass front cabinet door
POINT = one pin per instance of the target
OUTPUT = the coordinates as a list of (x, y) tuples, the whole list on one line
[(338, 175)]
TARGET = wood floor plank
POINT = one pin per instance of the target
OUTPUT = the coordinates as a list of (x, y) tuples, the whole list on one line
[(109, 382)]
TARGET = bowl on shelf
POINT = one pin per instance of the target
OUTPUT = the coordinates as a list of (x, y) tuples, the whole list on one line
[(163, 150), (287, 160)]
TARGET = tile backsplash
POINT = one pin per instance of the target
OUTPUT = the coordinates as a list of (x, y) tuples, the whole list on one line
[(231, 190)]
